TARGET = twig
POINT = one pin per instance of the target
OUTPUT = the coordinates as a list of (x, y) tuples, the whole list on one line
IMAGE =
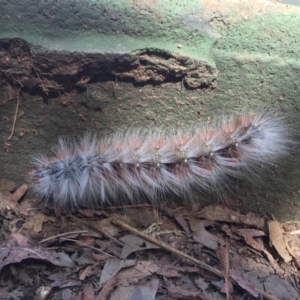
[(99, 230), (166, 247), (84, 244), (16, 113), (18, 82), (62, 234), (180, 253), (37, 74), (43, 87)]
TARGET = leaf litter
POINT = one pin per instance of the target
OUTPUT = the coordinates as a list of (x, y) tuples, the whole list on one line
[(206, 253)]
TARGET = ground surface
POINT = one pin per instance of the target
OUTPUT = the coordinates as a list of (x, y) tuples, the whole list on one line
[(189, 252)]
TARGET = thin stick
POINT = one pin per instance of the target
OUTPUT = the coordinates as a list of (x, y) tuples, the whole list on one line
[(166, 247), (16, 114), (180, 253), (62, 234), (99, 230), (84, 244), (43, 87)]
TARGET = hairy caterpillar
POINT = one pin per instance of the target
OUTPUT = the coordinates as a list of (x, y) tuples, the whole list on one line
[(133, 165)]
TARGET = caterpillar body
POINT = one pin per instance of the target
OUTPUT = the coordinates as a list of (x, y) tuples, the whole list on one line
[(131, 166)]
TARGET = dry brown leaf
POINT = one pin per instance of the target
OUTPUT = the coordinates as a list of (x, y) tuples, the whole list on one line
[(168, 270), (219, 213), (104, 226), (205, 289), (178, 217), (180, 293), (141, 270), (275, 285), (145, 291), (18, 248), (6, 203), (19, 193), (84, 241), (7, 185), (259, 245), (202, 236), (88, 292), (277, 240), (100, 257), (243, 283), (36, 222), (108, 289), (31, 82), (88, 271), (67, 283), (223, 255), (249, 232), (112, 267), (134, 243)]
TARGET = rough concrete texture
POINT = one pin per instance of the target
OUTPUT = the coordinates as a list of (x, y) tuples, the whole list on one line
[(148, 63), (106, 26)]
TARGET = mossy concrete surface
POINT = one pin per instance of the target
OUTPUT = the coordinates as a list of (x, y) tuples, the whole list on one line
[(119, 26), (121, 63)]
